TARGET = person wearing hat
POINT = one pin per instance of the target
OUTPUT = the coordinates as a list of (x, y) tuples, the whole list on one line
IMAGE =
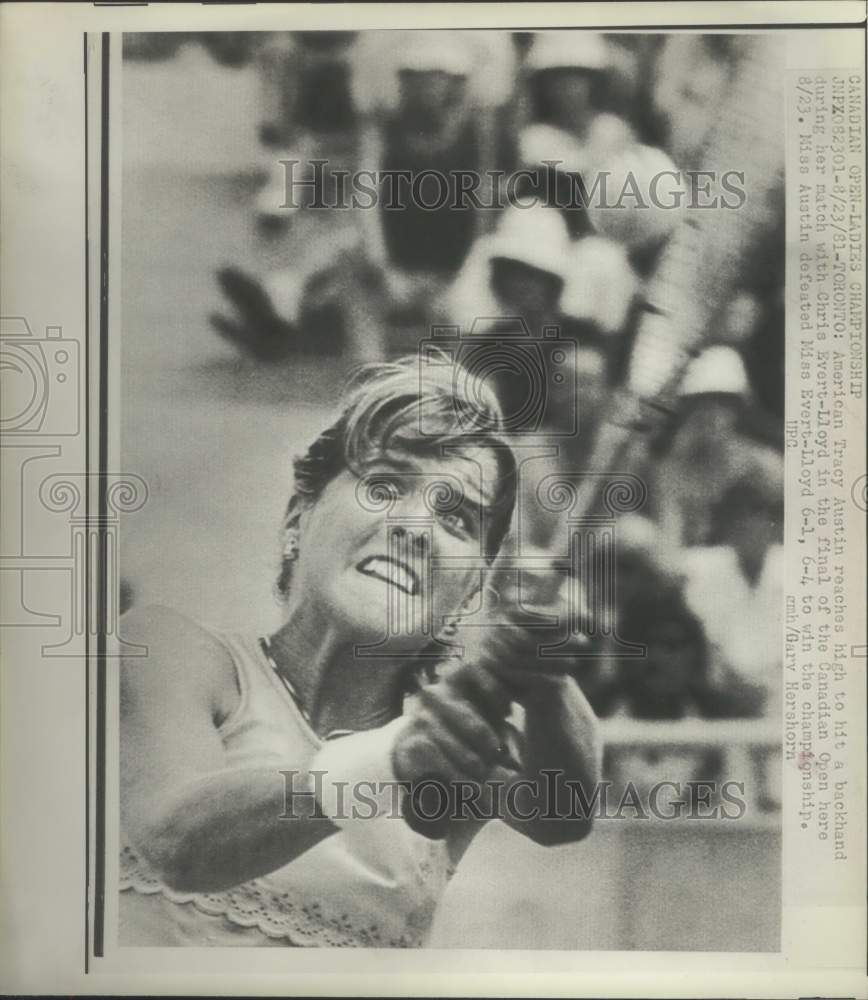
[(606, 182), (601, 298), (536, 272), (566, 72), (429, 112), (432, 129), (513, 282), (308, 112), (734, 585), (516, 271), (435, 117), (429, 118), (706, 448)]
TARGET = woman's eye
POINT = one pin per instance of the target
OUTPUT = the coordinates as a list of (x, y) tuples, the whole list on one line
[(455, 520)]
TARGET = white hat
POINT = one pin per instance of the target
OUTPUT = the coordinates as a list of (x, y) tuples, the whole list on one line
[(608, 137), (435, 50), (644, 195), (600, 284), (609, 134), (539, 143), (567, 50), (635, 531), (719, 369), (488, 60), (537, 236)]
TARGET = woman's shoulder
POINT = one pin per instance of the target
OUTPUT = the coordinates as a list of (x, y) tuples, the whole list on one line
[(160, 621), (182, 650)]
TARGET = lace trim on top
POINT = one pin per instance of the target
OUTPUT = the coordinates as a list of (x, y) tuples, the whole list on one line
[(304, 923)]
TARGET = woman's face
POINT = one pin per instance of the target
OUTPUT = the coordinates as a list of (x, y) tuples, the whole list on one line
[(524, 290), (751, 529), (389, 552), (429, 92), (567, 94), (714, 416)]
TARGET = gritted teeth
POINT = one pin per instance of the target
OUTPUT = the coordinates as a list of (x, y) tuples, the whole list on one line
[(392, 571)]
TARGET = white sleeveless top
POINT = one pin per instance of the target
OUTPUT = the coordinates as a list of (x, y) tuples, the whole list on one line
[(374, 884)]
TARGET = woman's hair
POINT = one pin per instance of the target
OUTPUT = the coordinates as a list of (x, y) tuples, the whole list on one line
[(415, 407)]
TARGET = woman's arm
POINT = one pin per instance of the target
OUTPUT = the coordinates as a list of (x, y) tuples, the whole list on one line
[(454, 736), (201, 825), (561, 756)]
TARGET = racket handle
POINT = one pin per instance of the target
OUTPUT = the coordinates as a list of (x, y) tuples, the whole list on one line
[(435, 826)]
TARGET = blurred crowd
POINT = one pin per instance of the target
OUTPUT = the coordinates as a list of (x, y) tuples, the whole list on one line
[(699, 567)]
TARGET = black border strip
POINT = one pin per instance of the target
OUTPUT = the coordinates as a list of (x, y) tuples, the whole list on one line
[(99, 833), (87, 508)]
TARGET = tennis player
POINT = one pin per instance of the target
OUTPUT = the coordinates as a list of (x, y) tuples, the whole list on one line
[(268, 784)]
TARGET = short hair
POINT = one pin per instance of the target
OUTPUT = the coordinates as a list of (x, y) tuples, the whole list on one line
[(417, 408)]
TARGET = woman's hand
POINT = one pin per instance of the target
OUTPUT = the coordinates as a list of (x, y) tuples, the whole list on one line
[(454, 738), (561, 736)]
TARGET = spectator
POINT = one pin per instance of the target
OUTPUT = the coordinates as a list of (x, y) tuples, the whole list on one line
[(707, 450), (734, 586), (431, 118), (516, 276), (603, 179), (566, 77), (636, 198), (568, 133), (630, 86), (518, 271), (309, 111), (669, 681), (600, 297), (420, 103)]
